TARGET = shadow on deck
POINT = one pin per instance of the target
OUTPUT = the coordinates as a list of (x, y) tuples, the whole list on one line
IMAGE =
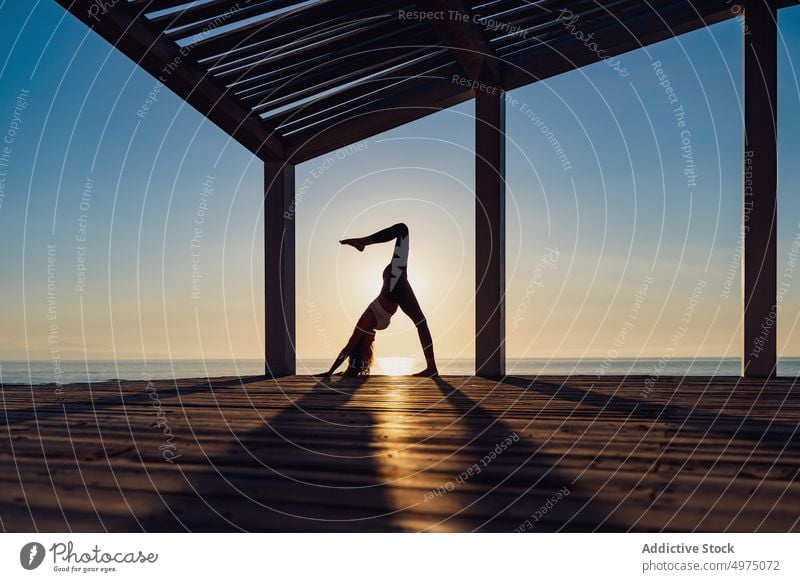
[(402, 454)]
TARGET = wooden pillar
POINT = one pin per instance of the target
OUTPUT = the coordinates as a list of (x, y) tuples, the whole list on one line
[(490, 233), (760, 184), (279, 269)]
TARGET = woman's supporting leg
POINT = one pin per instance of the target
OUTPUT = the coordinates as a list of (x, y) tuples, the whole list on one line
[(410, 306), (426, 340)]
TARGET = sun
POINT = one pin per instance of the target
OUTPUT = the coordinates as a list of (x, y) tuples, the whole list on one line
[(395, 366)]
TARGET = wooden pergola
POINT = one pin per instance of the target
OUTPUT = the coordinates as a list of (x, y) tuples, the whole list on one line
[(292, 80)]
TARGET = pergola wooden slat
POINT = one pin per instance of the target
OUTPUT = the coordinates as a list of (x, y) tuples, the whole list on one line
[(292, 39), (324, 57), (295, 79), (328, 109), (274, 26), (193, 20)]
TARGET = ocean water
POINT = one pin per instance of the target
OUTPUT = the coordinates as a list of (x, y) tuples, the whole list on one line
[(68, 372)]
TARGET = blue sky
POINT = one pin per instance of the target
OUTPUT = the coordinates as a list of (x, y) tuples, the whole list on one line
[(582, 241)]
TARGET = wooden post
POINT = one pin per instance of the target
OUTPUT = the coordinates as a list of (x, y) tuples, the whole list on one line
[(279, 269), (490, 233), (759, 271)]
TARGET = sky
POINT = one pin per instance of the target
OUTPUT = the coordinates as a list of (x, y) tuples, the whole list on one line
[(622, 224)]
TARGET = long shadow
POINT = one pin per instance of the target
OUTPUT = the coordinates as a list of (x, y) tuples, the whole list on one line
[(311, 467), (518, 489), (773, 435), (56, 436), (58, 409)]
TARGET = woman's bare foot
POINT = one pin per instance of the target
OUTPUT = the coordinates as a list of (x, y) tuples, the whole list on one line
[(356, 243), (428, 373)]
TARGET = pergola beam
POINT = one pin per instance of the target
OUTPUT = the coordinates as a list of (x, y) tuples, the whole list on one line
[(465, 39), (173, 67), (615, 39), (519, 70), (759, 269)]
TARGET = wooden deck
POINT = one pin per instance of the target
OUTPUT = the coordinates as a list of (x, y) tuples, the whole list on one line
[(402, 454)]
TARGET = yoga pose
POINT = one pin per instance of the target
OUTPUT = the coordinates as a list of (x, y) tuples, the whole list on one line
[(395, 292)]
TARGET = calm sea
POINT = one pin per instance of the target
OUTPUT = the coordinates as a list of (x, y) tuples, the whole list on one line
[(43, 372)]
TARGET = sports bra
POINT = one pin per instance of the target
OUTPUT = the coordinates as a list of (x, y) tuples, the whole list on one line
[(382, 317)]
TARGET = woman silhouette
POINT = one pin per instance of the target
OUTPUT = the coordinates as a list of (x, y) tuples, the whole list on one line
[(395, 292)]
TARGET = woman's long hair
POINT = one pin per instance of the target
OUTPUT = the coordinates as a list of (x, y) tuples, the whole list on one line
[(362, 356)]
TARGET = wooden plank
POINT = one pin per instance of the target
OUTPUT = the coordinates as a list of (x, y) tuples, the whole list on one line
[(759, 264), (353, 456), (490, 233), (279, 268), (164, 61)]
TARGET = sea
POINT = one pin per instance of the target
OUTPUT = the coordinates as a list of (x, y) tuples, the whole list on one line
[(41, 372)]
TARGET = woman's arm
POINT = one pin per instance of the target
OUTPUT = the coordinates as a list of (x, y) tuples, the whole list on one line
[(351, 344), (337, 362)]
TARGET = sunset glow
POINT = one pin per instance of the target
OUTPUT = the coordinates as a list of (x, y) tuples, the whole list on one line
[(394, 366)]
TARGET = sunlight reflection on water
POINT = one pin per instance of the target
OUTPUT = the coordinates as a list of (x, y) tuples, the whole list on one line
[(394, 366)]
